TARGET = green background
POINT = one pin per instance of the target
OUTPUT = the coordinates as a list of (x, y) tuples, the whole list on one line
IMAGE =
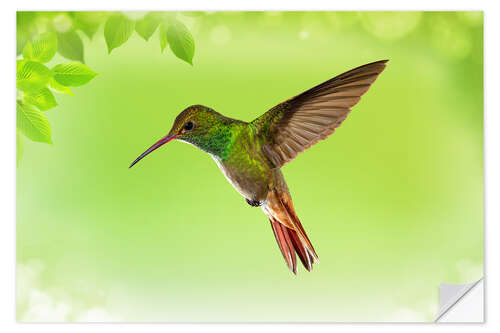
[(393, 201)]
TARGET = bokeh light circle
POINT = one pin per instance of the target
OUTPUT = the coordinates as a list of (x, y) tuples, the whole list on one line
[(220, 35), (390, 25), (450, 38)]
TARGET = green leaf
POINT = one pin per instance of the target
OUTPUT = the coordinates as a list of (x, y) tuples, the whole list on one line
[(25, 29), (42, 48), (73, 74), (88, 22), (57, 87), (181, 41), (43, 99), (32, 75), (32, 123), (20, 146), (163, 36), (117, 30), (146, 26), (70, 45)]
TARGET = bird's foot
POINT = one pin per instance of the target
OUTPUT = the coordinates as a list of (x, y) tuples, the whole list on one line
[(253, 203)]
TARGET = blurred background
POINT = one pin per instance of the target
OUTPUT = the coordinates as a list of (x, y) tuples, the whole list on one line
[(393, 201)]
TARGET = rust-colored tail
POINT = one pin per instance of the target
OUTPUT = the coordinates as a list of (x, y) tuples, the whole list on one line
[(288, 230)]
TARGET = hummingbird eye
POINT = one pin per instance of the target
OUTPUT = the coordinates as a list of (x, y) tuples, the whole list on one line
[(188, 126)]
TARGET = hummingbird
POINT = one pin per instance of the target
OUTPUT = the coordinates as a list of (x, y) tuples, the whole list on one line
[(251, 154)]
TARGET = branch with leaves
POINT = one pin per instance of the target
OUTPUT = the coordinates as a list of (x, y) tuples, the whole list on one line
[(36, 84), (40, 35), (173, 32)]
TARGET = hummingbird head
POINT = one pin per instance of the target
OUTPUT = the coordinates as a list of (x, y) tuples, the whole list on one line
[(200, 126)]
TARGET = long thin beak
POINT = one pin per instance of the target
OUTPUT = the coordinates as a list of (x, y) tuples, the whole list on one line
[(157, 145)]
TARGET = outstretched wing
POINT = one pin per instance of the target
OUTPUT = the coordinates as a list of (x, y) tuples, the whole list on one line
[(296, 124)]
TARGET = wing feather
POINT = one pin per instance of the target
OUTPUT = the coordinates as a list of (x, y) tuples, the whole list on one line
[(298, 123)]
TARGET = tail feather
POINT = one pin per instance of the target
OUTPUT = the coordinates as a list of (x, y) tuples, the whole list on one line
[(285, 244), (287, 203), (304, 255), (290, 235)]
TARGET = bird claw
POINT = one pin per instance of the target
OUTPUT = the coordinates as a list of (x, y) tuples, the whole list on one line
[(253, 203)]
